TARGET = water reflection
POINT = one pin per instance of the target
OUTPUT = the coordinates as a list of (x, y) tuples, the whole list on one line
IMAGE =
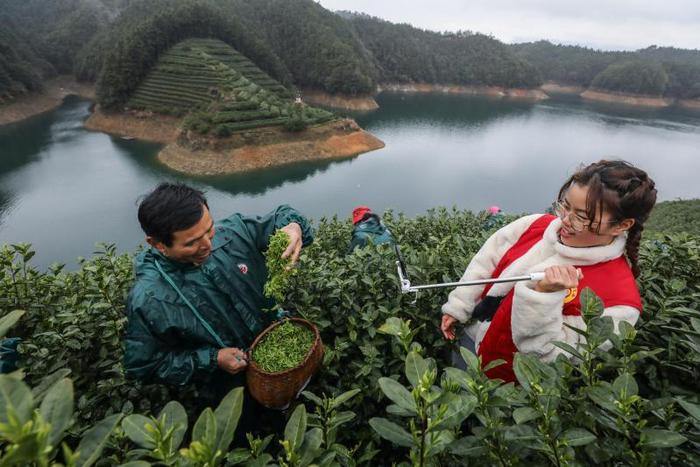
[(25, 142), (442, 110), (63, 188), (256, 182)]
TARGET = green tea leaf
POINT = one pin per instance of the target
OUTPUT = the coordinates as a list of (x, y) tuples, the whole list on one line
[(577, 437), (591, 304), (344, 397), (279, 269), (227, 415), (415, 367), (654, 438), (458, 409), (469, 446), (23, 452), (692, 409), (204, 429), (134, 427), (525, 414), (625, 386), (296, 427), (471, 360), (95, 439), (57, 409), (494, 364), (175, 418), (283, 347), (398, 394), (15, 396), (391, 327), (391, 431), (9, 320), (569, 348), (311, 446)]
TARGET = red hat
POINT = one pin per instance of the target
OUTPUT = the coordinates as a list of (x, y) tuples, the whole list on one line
[(358, 213)]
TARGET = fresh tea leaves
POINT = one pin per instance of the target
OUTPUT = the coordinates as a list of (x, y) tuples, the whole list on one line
[(283, 348), (279, 269)]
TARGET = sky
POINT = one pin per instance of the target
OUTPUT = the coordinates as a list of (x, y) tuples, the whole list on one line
[(600, 24)]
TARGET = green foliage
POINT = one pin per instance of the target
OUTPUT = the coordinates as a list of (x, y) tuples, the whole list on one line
[(588, 411), (325, 53), (295, 122), (279, 269), (626, 399), (229, 91), (31, 428), (404, 53), (285, 347), (565, 64), (21, 68), (675, 216), (134, 54), (653, 71), (636, 77)]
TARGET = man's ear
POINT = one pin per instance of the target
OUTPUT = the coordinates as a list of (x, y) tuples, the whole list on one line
[(156, 244), (623, 226)]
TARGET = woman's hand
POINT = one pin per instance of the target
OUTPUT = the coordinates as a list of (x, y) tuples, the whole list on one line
[(558, 278), (448, 327), (295, 241), (232, 360)]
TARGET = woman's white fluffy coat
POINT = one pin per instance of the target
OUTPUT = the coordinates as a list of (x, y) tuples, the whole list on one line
[(536, 320)]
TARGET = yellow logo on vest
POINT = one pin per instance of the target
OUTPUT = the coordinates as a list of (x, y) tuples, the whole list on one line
[(571, 294)]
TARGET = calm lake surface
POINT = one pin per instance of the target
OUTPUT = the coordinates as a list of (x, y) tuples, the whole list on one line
[(63, 188)]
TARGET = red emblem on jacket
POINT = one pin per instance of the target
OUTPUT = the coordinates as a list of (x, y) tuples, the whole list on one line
[(243, 268)]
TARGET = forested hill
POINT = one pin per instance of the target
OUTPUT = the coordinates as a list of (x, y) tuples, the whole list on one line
[(299, 43), (404, 54), (656, 71), (21, 68)]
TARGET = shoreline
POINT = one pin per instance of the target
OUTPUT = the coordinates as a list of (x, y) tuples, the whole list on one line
[(246, 151), (55, 91), (353, 103), (627, 99), (489, 91), (562, 89), (690, 104), (143, 126)]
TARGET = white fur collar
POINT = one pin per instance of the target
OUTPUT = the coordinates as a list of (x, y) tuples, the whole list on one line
[(584, 256)]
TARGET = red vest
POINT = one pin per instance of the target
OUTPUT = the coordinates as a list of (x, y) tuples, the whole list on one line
[(611, 280)]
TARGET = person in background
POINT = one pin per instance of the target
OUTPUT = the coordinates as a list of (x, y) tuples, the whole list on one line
[(368, 229), (197, 303), (592, 241), (494, 217)]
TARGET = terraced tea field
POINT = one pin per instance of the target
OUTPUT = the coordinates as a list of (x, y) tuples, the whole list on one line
[(220, 90)]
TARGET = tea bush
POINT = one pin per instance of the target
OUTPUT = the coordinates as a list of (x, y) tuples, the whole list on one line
[(635, 404)]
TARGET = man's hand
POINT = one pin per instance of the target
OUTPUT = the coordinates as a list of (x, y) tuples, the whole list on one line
[(448, 327), (558, 278), (295, 241), (232, 360)]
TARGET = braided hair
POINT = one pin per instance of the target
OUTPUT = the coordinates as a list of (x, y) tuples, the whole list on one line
[(624, 191)]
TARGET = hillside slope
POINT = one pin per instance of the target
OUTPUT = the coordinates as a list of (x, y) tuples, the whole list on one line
[(221, 89)]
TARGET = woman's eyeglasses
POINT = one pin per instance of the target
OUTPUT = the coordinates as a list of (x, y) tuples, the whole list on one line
[(578, 223)]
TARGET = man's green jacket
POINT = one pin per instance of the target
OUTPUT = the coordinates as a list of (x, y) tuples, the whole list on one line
[(165, 341)]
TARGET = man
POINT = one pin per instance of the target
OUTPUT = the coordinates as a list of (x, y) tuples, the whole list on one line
[(368, 229), (198, 302)]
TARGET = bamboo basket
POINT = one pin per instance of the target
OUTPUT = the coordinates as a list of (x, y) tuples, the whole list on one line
[(278, 390)]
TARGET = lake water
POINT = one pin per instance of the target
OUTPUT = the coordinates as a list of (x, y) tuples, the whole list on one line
[(63, 188)]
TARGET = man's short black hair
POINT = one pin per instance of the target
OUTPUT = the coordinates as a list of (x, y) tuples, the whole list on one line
[(169, 208)]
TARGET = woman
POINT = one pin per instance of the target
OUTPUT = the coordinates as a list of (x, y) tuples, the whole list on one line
[(592, 242)]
